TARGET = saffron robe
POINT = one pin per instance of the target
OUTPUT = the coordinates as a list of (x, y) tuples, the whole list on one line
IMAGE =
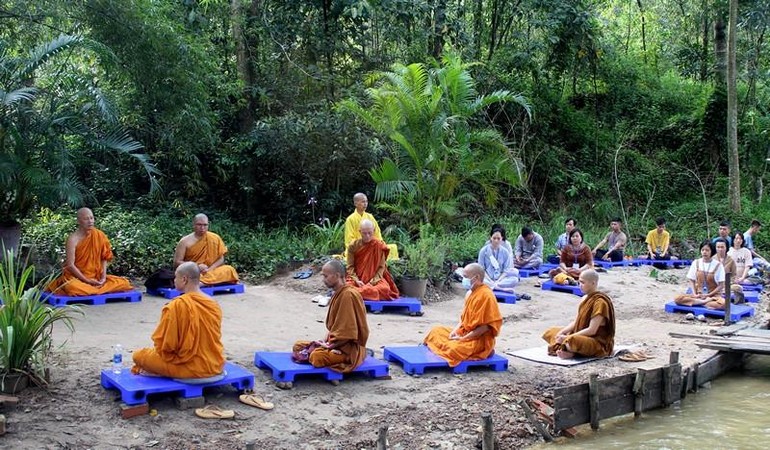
[(480, 309), (90, 254), (601, 344), (353, 232), (348, 332), (368, 263), (207, 251), (188, 340)]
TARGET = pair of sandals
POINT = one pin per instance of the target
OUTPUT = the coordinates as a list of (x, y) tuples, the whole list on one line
[(215, 412), (303, 274), (637, 356)]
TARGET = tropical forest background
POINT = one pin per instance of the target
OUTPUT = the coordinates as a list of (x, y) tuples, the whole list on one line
[(268, 115)]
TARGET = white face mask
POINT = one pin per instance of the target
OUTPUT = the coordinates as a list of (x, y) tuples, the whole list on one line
[(467, 283)]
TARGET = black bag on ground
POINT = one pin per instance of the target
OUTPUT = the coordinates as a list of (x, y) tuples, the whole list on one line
[(163, 278)]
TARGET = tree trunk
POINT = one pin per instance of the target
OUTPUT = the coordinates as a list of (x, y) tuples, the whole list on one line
[(720, 46), (704, 57), (244, 67), (477, 31), (494, 21), (328, 47), (732, 114), (439, 25), (644, 37)]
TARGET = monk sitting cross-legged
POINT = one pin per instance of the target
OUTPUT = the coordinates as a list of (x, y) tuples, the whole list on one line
[(188, 338), (344, 347), (592, 333), (480, 321), (207, 250), (88, 252), (367, 266)]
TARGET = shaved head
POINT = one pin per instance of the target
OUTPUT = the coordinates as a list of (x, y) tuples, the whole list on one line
[(200, 216), (84, 211), (333, 274), (589, 281), (335, 266), (190, 270), (85, 219), (358, 197), (367, 230), (472, 270), (200, 225), (360, 202)]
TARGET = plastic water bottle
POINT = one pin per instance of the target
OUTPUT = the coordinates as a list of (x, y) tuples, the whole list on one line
[(117, 359)]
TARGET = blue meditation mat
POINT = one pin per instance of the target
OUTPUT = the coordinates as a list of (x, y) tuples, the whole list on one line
[(749, 296), (415, 359), (285, 369), (556, 287), (134, 389), (753, 287), (525, 273), (505, 297), (736, 311), (611, 264), (667, 262), (99, 299), (208, 290), (411, 305)]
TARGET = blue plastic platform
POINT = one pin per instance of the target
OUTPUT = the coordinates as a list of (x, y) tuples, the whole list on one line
[(556, 287), (505, 297), (736, 311), (285, 369), (411, 305), (416, 359), (749, 296), (753, 287), (667, 262), (524, 273), (134, 389), (99, 299), (208, 290), (611, 264)]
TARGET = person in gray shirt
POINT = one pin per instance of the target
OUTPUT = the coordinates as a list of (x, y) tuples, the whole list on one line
[(528, 251)]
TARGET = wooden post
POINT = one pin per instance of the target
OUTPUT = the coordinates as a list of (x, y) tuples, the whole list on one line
[(695, 377), (728, 301), (685, 383), (382, 438), (673, 357), (251, 446), (487, 432), (639, 392), (533, 420), (593, 399)]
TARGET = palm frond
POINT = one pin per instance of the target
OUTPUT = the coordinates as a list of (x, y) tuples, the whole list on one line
[(25, 94), (43, 53)]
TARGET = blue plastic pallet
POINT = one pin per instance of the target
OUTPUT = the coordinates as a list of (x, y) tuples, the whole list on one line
[(134, 389), (753, 287), (611, 264), (556, 287), (749, 296), (667, 262), (411, 305), (415, 359), (525, 273), (285, 369), (99, 299), (208, 290), (505, 297), (736, 311)]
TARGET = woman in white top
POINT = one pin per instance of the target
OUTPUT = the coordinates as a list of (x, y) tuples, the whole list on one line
[(743, 260), (707, 280)]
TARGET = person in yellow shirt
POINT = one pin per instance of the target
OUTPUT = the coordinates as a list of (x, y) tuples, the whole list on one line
[(353, 225), (658, 241)]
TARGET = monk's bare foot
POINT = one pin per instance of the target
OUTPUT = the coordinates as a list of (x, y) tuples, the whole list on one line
[(564, 354)]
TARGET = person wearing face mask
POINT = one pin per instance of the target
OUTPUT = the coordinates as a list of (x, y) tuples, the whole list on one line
[(480, 321), (707, 280)]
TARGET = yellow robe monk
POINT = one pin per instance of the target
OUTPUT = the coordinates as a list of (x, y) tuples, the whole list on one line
[(90, 255), (206, 251), (348, 333), (353, 232), (367, 262), (480, 309), (599, 345), (188, 340)]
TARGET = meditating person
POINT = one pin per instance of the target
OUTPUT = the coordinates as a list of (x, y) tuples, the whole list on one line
[(724, 233), (188, 338), (742, 258), (592, 333), (562, 240), (480, 322), (528, 251), (575, 258), (207, 250), (730, 268), (658, 241), (757, 260), (353, 225), (505, 242), (367, 268), (497, 262), (344, 346), (707, 280), (87, 254), (616, 243)]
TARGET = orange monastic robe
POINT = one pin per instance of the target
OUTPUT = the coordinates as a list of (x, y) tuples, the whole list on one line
[(188, 340), (91, 252), (348, 332), (368, 263), (480, 309), (206, 251), (599, 345)]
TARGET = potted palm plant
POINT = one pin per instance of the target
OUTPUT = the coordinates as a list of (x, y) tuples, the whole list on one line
[(423, 260), (26, 326)]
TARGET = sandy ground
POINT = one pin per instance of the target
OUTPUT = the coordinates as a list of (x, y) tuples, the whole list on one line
[(437, 410)]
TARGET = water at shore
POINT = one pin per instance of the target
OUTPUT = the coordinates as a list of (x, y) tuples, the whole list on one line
[(734, 413)]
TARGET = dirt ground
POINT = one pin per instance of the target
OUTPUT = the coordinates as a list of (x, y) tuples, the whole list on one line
[(436, 411)]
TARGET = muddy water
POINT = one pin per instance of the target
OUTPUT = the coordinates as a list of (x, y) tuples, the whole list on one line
[(734, 413)]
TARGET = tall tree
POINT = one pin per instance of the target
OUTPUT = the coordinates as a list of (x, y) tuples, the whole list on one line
[(734, 194)]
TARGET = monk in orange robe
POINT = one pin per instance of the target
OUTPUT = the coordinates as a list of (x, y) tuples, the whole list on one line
[(88, 252), (592, 333), (207, 250), (344, 347), (474, 337), (367, 266), (188, 338)]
